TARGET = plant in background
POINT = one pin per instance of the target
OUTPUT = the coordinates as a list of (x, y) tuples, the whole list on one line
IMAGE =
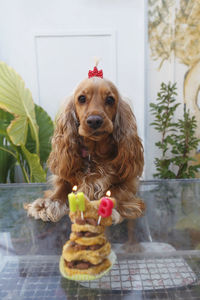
[(183, 143), (163, 112), (172, 32), (177, 139), (25, 130)]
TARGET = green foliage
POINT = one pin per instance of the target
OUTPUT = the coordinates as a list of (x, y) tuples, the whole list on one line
[(45, 125), (183, 144), (7, 160), (177, 139), (25, 130)]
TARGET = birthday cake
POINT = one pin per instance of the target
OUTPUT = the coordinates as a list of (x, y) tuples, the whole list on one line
[(87, 252)]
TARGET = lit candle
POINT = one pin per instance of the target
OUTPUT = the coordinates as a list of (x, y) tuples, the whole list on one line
[(105, 207), (76, 200), (72, 202)]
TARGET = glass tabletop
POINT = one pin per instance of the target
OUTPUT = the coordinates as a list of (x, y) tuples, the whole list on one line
[(158, 255)]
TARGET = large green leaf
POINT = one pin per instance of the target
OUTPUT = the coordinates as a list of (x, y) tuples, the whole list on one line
[(46, 128), (17, 100), (6, 164), (7, 160), (5, 119), (17, 130), (37, 174)]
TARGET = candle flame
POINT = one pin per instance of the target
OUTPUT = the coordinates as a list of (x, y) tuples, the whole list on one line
[(74, 188), (108, 193)]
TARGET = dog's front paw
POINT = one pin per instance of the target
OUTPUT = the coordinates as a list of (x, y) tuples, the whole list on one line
[(116, 217), (46, 209)]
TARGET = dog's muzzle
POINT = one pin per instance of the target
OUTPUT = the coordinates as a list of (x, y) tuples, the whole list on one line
[(94, 121)]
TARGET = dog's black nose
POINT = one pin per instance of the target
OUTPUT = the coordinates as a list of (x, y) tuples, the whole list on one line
[(94, 121)]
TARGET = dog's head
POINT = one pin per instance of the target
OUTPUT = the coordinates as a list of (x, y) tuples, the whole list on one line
[(94, 112), (96, 102)]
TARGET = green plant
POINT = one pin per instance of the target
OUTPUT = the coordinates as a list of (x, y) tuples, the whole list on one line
[(25, 130), (183, 143), (177, 138)]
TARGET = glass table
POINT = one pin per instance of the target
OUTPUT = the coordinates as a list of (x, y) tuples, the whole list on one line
[(158, 255)]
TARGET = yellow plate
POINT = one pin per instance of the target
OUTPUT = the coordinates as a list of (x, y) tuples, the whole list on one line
[(86, 277)]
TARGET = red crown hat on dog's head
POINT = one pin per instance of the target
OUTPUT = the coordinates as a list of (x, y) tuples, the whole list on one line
[(95, 72)]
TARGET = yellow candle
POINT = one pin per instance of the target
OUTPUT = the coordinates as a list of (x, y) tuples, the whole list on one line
[(81, 201), (72, 202)]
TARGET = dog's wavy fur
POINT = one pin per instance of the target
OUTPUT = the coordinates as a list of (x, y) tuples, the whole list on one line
[(116, 158)]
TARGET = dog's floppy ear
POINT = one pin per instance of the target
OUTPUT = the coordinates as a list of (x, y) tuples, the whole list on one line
[(129, 160), (64, 159)]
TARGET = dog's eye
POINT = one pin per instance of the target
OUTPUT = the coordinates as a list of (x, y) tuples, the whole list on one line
[(110, 100), (82, 99)]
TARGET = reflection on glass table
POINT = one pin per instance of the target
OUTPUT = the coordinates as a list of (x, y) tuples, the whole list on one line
[(158, 255)]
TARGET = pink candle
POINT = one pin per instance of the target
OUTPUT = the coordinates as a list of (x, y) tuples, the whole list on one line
[(105, 208)]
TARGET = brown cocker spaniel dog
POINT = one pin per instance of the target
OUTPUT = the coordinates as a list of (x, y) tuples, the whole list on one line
[(96, 147)]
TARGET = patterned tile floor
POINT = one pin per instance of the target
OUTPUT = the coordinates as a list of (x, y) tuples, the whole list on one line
[(37, 278), (148, 274)]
